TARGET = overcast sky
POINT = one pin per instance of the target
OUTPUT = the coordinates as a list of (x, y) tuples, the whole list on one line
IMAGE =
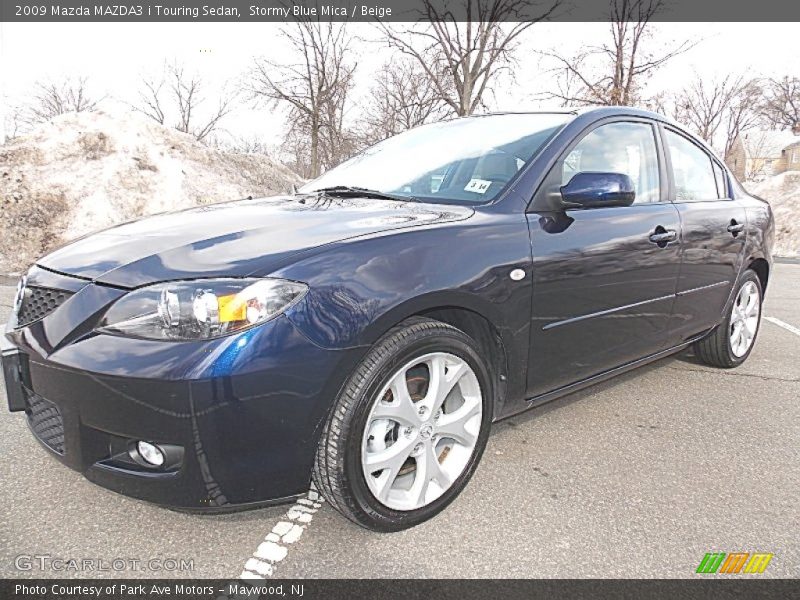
[(115, 55)]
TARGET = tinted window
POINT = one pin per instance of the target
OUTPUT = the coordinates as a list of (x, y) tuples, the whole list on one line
[(720, 176), (628, 148), (691, 168)]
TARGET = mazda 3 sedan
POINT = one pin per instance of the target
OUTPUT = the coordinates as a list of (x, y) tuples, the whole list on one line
[(365, 332)]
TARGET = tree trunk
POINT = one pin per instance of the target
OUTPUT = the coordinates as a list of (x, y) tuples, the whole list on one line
[(314, 147)]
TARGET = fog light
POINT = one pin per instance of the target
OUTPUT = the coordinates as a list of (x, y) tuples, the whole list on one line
[(150, 453)]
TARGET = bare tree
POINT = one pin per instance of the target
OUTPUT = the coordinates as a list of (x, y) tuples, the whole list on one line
[(781, 105), (54, 98), (337, 142), (759, 165), (181, 96), (150, 99), (296, 146), (613, 73), (462, 59), (314, 88), (717, 109), (48, 99), (705, 104), (246, 145), (569, 86), (403, 96), (13, 120), (743, 113), (664, 103)]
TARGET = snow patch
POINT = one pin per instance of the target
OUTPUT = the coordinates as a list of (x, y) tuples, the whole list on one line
[(783, 193), (81, 172)]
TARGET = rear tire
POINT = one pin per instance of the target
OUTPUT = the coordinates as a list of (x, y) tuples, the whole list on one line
[(730, 343), (388, 404)]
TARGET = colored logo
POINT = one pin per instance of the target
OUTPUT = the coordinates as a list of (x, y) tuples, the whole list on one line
[(734, 562)]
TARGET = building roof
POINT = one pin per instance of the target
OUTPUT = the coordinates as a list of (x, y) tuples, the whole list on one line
[(760, 143)]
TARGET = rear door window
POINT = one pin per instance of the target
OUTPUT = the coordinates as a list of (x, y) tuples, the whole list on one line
[(691, 170)]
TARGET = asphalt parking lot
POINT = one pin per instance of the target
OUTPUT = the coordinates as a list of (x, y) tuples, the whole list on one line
[(637, 477)]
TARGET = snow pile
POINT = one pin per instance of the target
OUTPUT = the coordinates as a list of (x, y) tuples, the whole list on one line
[(783, 193), (86, 171)]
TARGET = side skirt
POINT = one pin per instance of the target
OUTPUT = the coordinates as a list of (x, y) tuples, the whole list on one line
[(584, 383)]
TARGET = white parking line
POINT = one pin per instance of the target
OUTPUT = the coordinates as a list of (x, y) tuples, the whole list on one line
[(783, 324), (286, 532)]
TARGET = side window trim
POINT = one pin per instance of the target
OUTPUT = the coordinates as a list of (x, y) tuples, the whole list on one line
[(665, 181), (667, 160), (664, 129), (726, 185)]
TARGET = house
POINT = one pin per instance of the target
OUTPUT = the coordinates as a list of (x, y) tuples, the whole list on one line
[(758, 153), (790, 158)]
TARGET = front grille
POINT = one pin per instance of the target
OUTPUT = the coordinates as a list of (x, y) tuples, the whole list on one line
[(38, 302), (46, 422)]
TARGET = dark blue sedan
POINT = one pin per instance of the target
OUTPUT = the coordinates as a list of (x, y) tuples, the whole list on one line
[(366, 331)]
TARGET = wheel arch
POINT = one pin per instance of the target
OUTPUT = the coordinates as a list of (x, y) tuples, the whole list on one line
[(761, 268), (489, 341), (468, 314)]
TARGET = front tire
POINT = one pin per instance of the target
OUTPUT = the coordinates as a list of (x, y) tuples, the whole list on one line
[(731, 342), (408, 429)]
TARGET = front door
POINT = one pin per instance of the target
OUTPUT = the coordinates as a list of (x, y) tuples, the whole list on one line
[(714, 232), (603, 278)]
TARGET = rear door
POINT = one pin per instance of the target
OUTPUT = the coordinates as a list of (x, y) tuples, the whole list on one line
[(603, 278), (713, 236)]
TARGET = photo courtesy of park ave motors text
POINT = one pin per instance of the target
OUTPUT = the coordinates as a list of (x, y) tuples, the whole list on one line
[(509, 284)]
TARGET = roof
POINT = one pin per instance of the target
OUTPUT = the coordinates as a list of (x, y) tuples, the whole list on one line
[(604, 111), (760, 143)]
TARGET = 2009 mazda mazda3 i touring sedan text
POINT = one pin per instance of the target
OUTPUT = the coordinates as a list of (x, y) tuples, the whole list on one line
[(366, 331)]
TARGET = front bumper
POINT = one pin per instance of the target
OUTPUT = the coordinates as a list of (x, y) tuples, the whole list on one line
[(246, 410)]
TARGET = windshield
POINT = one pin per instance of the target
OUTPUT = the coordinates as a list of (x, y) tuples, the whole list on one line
[(464, 161)]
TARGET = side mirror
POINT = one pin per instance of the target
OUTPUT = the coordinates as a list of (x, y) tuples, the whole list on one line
[(598, 190)]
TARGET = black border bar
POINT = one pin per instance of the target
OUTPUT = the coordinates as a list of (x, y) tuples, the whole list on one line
[(109, 11), (738, 587)]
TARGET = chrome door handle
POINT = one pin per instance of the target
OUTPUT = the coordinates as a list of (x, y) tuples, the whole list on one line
[(735, 228), (663, 236)]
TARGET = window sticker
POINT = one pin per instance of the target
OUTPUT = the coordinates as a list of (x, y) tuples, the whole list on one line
[(479, 186)]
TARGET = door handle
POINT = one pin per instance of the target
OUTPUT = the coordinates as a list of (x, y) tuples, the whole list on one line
[(662, 236), (735, 228)]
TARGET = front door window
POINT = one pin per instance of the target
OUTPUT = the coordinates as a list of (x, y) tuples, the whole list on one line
[(627, 148)]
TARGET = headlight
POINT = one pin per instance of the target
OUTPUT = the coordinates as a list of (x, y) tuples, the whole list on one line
[(200, 309)]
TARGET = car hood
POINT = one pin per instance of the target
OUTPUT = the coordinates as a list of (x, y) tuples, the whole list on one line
[(233, 239)]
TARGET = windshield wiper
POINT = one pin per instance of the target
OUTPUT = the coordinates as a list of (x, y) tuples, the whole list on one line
[(349, 190)]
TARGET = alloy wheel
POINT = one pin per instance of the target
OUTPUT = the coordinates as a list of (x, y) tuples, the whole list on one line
[(421, 431), (744, 319)]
